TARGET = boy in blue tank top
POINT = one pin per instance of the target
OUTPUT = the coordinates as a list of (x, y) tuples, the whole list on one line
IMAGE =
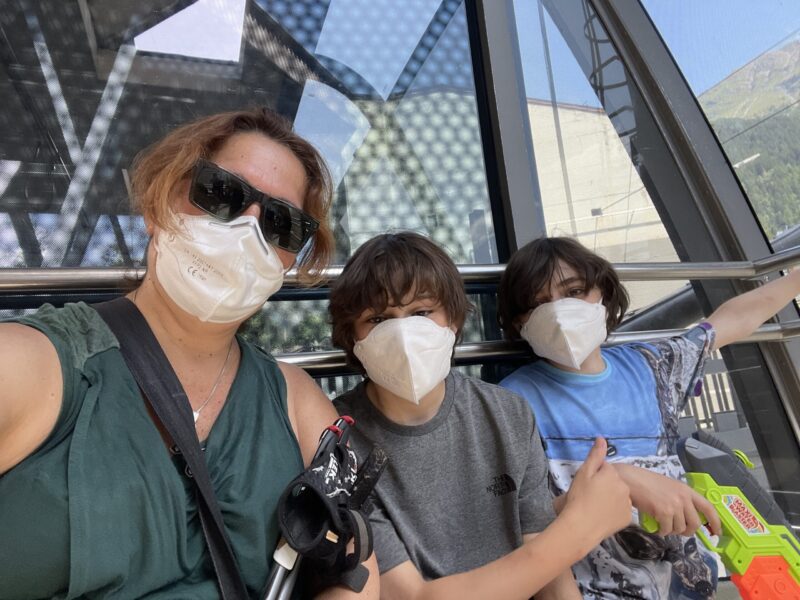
[(563, 300)]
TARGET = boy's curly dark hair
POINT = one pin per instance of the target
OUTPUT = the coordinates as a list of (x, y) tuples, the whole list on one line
[(531, 269), (384, 271)]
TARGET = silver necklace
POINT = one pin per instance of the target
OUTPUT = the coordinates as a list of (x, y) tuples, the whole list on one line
[(196, 413)]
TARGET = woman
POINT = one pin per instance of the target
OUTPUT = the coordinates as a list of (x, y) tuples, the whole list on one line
[(91, 501)]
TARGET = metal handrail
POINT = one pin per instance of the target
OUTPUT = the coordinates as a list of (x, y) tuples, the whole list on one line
[(710, 270), (324, 362), (21, 281), (333, 361)]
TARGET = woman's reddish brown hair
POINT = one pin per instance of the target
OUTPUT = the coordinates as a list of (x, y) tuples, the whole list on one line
[(160, 169)]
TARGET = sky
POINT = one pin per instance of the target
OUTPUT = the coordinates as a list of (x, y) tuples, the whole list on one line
[(709, 39)]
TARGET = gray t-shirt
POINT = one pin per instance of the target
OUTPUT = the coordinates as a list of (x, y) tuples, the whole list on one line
[(460, 490)]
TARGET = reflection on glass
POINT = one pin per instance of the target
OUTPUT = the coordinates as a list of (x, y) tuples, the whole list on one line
[(375, 38), (584, 136), (384, 89), (423, 169), (345, 126), (742, 60), (208, 29), (303, 326)]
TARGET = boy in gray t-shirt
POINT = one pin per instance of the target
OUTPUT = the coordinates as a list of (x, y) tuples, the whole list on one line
[(463, 508), (425, 513)]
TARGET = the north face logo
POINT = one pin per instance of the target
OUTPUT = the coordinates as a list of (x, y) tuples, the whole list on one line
[(501, 485)]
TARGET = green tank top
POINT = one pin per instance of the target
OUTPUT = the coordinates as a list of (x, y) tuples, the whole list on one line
[(103, 510)]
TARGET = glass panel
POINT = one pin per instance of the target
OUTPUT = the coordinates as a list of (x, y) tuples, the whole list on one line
[(584, 134), (385, 90), (745, 71), (718, 409), (303, 326)]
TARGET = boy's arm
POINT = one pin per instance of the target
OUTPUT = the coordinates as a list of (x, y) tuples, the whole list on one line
[(520, 574), (536, 513), (563, 587), (371, 590), (740, 316), (673, 503), (598, 505)]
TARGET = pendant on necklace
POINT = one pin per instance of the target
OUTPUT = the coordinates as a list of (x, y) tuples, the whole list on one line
[(196, 414)]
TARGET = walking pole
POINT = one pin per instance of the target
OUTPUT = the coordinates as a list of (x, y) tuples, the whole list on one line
[(283, 576), (288, 586), (284, 572)]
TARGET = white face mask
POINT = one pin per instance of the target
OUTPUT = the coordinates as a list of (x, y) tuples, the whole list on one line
[(409, 357), (566, 331), (218, 272)]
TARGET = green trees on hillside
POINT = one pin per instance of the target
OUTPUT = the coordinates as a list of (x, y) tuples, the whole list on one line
[(772, 178)]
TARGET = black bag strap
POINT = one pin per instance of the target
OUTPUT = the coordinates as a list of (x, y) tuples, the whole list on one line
[(162, 389)]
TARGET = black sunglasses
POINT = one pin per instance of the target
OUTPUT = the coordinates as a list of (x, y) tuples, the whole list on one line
[(226, 196)]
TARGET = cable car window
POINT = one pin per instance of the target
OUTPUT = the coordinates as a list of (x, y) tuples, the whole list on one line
[(742, 61), (385, 90)]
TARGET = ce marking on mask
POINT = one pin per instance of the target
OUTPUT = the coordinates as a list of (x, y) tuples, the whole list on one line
[(198, 267)]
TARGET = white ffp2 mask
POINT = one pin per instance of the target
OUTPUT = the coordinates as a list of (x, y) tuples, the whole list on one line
[(566, 331), (219, 272), (407, 356)]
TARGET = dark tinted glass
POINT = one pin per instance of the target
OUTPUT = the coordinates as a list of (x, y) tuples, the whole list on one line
[(226, 196), (216, 193)]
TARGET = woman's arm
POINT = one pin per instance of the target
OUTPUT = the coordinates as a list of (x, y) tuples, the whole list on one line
[(740, 316), (31, 391), (371, 590), (310, 412)]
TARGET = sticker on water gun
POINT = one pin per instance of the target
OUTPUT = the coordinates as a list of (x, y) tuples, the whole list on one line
[(749, 521)]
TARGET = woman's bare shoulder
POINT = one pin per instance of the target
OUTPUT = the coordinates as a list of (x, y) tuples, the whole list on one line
[(310, 410), (31, 391)]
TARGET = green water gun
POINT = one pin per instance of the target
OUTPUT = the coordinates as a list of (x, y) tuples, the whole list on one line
[(757, 545)]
